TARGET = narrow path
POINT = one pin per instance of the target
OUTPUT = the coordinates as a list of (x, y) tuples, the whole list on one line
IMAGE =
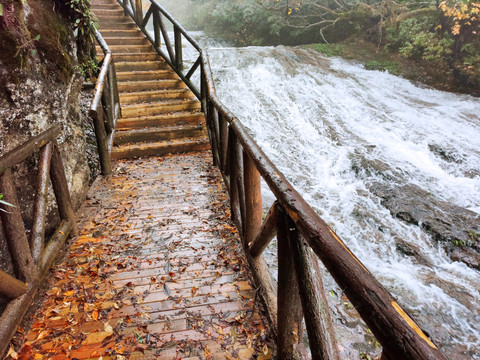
[(155, 273)]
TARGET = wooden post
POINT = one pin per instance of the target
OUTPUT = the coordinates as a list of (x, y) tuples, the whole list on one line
[(14, 230), (100, 134), (178, 49), (253, 200), (204, 90), (156, 28), (233, 172), (60, 188), (138, 11), (288, 298), (266, 233), (241, 186), (223, 143), (166, 38), (37, 235), (11, 287), (216, 140), (321, 335)]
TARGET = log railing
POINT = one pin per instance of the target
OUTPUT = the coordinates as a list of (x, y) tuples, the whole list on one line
[(31, 256), (302, 235), (105, 108)]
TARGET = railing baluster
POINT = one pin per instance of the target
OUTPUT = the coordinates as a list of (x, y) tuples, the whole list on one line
[(194, 68), (266, 233), (234, 175), (138, 11), (321, 335), (288, 298), (203, 89), (166, 38), (223, 143), (14, 230), (178, 49), (100, 134), (37, 236), (156, 28), (111, 99), (253, 199), (60, 188)]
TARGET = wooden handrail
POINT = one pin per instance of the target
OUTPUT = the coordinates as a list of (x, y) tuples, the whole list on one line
[(31, 261), (105, 107), (31, 146), (239, 158)]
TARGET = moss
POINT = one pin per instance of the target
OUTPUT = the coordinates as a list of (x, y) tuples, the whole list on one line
[(54, 43)]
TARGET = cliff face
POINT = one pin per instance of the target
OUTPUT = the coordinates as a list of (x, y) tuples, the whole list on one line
[(40, 86)]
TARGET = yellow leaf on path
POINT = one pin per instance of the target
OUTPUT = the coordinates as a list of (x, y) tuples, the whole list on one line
[(108, 328), (38, 356), (12, 353), (95, 315), (265, 350)]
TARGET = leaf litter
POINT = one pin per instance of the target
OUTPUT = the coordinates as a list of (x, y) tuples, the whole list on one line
[(156, 270)]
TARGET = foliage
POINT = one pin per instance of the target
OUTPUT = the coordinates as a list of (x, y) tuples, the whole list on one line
[(88, 69), (392, 67), (85, 22), (464, 13), (3, 202), (419, 38), (84, 25)]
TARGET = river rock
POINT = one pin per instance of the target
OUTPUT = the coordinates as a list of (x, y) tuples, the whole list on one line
[(457, 227)]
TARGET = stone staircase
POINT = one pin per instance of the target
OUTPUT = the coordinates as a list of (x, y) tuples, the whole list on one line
[(160, 115)]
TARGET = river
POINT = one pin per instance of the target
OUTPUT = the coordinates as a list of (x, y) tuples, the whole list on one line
[(344, 136)]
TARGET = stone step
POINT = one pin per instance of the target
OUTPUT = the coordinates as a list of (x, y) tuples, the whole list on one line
[(128, 66), (156, 134), (126, 40), (117, 26), (159, 108), (146, 75), (107, 10), (137, 49), (161, 120), (106, 33), (155, 96), (135, 86), (135, 57), (102, 6), (159, 148)]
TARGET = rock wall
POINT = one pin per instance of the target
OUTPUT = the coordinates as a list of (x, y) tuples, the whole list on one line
[(40, 86)]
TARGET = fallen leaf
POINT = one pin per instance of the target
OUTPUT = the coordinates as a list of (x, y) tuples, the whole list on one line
[(12, 353)]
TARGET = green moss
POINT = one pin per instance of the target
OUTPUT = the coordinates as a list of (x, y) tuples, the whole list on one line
[(55, 41)]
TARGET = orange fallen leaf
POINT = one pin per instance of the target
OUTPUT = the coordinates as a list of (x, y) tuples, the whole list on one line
[(95, 315)]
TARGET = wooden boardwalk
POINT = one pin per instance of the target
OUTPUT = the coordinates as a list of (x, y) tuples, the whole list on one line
[(156, 272)]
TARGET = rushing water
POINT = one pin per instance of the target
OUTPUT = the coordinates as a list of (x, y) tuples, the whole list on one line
[(337, 131)]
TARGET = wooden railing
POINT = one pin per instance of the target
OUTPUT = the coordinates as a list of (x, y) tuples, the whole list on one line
[(298, 228), (33, 256), (105, 108)]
